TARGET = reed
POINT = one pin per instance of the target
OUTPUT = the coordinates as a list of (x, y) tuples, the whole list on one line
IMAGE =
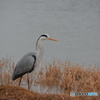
[(65, 76), (70, 77)]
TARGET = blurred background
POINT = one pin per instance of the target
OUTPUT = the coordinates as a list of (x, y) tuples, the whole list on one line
[(75, 23)]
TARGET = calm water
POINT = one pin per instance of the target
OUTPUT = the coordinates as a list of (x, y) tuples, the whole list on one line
[(75, 23)]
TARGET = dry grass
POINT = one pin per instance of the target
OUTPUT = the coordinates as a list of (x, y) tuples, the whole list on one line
[(64, 76), (8, 92), (71, 78), (17, 93)]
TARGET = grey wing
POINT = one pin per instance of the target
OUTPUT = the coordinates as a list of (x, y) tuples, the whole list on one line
[(25, 65)]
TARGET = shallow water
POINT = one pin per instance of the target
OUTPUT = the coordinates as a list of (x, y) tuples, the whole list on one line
[(75, 23)]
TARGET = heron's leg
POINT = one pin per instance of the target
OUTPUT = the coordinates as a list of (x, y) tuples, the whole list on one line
[(28, 82), (20, 81)]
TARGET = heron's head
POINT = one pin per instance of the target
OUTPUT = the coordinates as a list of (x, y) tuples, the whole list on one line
[(46, 37)]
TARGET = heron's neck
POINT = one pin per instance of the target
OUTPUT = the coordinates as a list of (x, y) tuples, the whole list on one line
[(40, 51)]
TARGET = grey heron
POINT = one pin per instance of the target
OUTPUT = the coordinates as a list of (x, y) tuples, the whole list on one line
[(31, 60)]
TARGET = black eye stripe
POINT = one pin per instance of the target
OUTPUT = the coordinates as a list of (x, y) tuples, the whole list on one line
[(44, 36)]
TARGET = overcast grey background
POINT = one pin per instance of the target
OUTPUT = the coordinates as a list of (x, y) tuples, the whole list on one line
[(75, 23)]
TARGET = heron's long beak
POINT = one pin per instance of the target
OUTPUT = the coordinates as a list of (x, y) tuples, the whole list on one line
[(52, 39)]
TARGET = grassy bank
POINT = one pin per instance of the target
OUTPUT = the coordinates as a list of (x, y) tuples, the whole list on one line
[(64, 76), (17, 93)]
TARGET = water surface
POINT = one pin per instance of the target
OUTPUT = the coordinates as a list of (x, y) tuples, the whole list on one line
[(75, 23)]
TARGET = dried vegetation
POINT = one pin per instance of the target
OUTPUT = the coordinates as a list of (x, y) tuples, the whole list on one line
[(64, 76)]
